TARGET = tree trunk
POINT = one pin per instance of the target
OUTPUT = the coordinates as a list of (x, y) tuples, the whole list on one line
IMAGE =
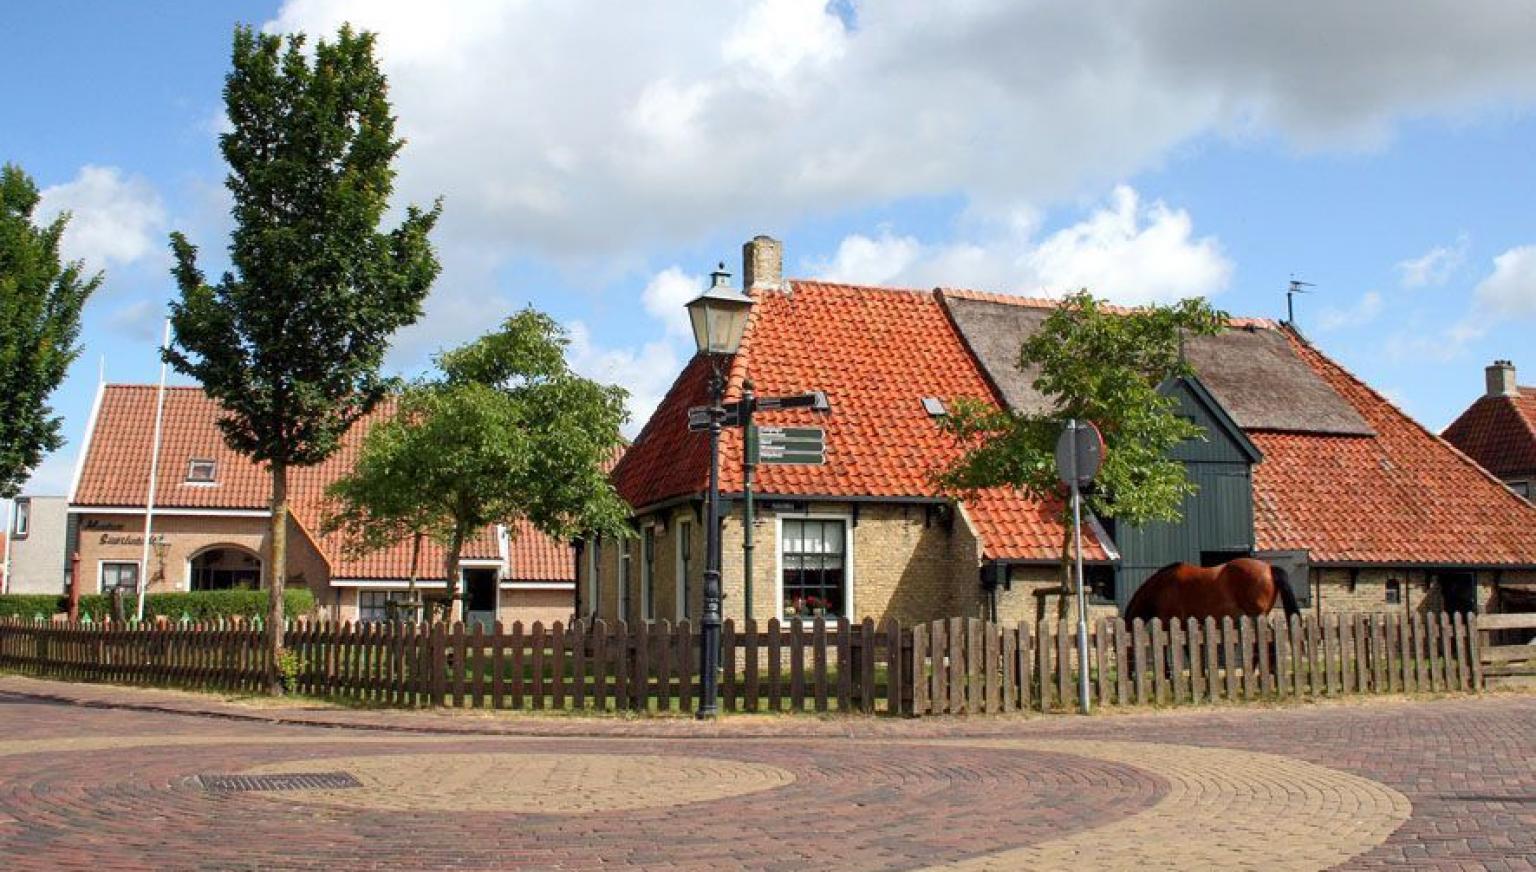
[(451, 575), (413, 596), (277, 573)]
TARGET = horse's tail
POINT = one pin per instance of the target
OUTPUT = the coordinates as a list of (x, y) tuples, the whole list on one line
[(1282, 581)]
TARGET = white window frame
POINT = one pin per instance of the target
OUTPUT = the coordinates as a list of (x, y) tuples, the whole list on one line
[(390, 594), (682, 562), (850, 607), (101, 572), (21, 517), (647, 573), (213, 471)]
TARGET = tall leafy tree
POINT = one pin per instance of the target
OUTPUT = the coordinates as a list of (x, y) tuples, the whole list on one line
[(507, 432), (291, 338), (41, 298), (1101, 364)]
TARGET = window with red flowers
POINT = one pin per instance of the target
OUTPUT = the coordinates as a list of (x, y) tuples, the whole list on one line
[(813, 557)]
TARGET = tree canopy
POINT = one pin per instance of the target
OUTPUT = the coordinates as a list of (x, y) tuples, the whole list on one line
[(290, 340), (506, 432), (41, 298), (1101, 364)]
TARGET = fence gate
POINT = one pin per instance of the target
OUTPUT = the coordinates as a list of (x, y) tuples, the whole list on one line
[(1507, 659)]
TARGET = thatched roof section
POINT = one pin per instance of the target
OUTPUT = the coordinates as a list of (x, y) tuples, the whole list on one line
[(1252, 371)]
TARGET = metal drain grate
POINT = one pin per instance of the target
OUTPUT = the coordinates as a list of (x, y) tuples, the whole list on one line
[(282, 781)]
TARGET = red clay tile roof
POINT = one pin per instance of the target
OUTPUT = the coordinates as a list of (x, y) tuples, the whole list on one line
[(1404, 496), (876, 352), (1500, 434), (1401, 496), (115, 473), (534, 556)]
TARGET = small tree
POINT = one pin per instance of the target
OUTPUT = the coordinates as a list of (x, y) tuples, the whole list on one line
[(507, 433), (40, 302), (1105, 366), (291, 339)]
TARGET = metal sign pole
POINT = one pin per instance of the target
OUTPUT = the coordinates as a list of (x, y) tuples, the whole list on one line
[(1082, 600)]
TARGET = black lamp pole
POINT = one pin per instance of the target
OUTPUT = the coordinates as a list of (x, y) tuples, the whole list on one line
[(709, 621)]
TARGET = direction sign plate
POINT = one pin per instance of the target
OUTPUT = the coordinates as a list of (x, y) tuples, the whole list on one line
[(698, 417), (791, 445)]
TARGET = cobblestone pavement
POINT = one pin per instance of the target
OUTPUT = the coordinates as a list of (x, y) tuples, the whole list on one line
[(103, 778)]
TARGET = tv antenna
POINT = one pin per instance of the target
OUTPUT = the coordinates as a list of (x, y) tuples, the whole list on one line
[(1297, 287)]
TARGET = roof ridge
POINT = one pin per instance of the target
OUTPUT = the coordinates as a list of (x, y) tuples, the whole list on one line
[(894, 289), (1234, 322)]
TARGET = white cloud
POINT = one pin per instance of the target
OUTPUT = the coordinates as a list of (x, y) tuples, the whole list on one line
[(1511, 288), (116, 219), (665, 296), (1435, 266), (1124, 250), (780, 37), (1363, 312), (645, 371), (874, 261), (584, 130)]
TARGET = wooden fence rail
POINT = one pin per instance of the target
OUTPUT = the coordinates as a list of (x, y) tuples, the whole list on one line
[(954, 666), (969, 666), (1507, 650), (779, 666)]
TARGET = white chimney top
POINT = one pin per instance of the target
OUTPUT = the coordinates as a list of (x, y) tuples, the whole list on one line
[(1501, 379)]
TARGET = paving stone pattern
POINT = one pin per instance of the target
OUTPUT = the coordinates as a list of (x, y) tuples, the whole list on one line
[(85, 783)]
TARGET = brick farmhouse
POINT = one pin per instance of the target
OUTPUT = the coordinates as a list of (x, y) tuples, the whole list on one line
[(1303, 465), (211, 517)]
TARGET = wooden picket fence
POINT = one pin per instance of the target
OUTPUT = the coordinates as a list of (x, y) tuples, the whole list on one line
[(1507, 662), (967, 666), (781, 666), (955, 666), (228, 657)]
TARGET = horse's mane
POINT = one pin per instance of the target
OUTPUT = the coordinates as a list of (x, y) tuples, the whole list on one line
[(1138, 607)]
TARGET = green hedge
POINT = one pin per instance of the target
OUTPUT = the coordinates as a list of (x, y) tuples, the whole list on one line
[(199, 605), (29, 605)]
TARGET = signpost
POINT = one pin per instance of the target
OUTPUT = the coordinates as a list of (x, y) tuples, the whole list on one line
[(771, 445), (1079, 454)]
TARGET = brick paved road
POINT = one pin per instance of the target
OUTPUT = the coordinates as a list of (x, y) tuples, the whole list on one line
[(1448, 784)]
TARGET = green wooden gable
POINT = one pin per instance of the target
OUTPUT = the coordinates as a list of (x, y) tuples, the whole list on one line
[(1217, 521)]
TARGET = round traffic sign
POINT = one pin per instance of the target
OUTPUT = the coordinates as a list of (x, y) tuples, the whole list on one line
[(1079, 453)]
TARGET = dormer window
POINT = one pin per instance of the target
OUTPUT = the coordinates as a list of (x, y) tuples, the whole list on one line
[(201, 471)]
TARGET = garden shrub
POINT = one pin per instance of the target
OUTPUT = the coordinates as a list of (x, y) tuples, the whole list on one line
[(198, 605), (29, 605)]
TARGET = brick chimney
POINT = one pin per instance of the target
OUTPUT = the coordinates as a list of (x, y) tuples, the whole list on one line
[(762, 264), (1501, 379)]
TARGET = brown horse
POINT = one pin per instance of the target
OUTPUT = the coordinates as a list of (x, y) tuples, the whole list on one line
[(1180, 591)]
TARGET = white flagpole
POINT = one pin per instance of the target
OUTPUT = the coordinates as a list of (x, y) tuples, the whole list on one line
[(154, 474)]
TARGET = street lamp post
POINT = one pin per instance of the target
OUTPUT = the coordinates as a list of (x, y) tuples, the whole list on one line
[(719, 319)]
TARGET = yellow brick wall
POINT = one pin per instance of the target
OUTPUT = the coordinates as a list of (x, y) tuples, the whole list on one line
[(1331, 589), (908, 562), (913, 565)]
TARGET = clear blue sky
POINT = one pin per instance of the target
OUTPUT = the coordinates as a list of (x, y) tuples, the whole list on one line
[(597, 165)]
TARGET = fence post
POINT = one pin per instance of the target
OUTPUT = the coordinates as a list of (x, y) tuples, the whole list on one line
[(1478, 638), (898, 672)]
